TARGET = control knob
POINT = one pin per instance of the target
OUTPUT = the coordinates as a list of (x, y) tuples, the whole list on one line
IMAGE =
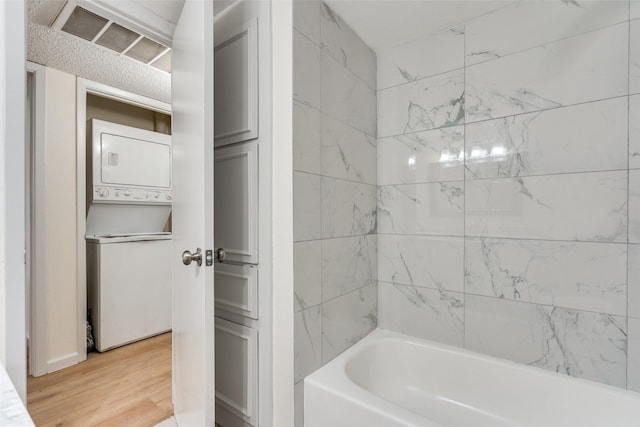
[(103, 192)]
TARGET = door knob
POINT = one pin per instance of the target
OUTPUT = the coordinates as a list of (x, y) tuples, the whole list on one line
[(187, 257), (220, 254)]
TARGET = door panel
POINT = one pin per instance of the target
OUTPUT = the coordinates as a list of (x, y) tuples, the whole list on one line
[(237, 368), (237, 289), (236, 199), (193, 299)]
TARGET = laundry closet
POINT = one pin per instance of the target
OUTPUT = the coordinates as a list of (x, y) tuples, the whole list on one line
[(128, 222)]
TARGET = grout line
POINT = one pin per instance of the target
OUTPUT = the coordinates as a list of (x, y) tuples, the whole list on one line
[(628, 185), (496, 178), (518, 239), (333, 177), (464, 195)]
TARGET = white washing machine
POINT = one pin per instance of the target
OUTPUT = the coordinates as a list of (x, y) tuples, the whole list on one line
[(128, 287), (129, 272)]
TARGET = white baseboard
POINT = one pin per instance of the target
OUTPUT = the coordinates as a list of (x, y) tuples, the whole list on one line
[(62, 362)]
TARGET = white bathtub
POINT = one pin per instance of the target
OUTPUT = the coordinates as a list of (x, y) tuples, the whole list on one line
[(389, 380)]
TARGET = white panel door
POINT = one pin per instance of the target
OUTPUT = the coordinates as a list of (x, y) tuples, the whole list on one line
[(193, 299), (236, 199)]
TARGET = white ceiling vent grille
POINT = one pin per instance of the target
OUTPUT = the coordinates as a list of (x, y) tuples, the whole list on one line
[(92, 27)]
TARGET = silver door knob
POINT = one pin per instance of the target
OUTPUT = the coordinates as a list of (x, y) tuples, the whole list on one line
[(187, 257), (220, 254)]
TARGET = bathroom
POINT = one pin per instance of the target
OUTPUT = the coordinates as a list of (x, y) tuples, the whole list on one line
[(466, 173)]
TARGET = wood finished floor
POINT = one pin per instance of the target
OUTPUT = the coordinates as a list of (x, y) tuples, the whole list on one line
[(128, 386)]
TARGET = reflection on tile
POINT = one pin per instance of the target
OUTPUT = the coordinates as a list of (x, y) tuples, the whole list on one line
[(569, 139), (584, 276), (426, 104), (307, 270), (347, 153), (347, 98), (634, 59), (634, 281), (306, 139), (307, 218), (347, 319), (344, 45), (531, 24), (307, 330), (584, 68), (348, 263), (586, 207), (430, 156), (634, 206), (433, 262), (634, 355), (306, 71), (421, 312), (306, 18), (579, 343), (434, 208), (439, 53), (348, 208), (634, 132)]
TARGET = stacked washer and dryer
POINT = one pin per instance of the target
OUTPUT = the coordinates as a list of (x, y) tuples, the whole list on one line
[(128, 245)]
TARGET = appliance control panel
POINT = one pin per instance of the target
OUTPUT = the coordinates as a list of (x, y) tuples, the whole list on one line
[(104, 194)]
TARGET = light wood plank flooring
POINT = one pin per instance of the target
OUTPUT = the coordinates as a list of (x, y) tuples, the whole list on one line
[(128, 386)]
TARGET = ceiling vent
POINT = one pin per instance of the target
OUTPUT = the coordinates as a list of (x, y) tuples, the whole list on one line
[(94, 28)]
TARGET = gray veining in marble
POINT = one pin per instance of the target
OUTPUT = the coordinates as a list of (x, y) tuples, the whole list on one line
[(306, 71), (306, 18), (348, 263), (634, 132), (634, 206), (432, 208), (580, 138), (348, 319), (429, 156), (584, 276), (431, 314), (633, 382), (12, 410), (307, 203), (634, 281), (531, 24), (425, 261), (438, 53), (307, 274), (348, 208), (425, 104), (578, 343), (307, 144), (307, 340), (583, 207), (550, 76)]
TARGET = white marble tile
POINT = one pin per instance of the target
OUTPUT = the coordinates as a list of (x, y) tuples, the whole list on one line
[(584, 68), (635, 9), (634, 281), (348, 263), (307, 273), (634, 132), (307, 143), (585, 207), (12, 410), (306, 71), (433, 208), (307, 342), (433, 262), (306, 18), (425, 57), (583, 276), (346, 97), (307, 202), (421, 312), (634, 59), (533, 23), (348, 319), (578, 343), (426, 104), (429, 156), (579, 138), (633, 381), (347, 153), (348, 208), (298, 404), (634, 206), (344, 45)]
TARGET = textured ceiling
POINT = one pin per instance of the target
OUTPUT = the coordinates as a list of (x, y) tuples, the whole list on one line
[(73, 55), (386, 23)]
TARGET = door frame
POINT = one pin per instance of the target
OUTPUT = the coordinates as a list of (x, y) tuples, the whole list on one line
[(86, 87)]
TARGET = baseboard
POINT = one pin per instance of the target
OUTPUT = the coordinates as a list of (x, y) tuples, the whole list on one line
[(62, 362)]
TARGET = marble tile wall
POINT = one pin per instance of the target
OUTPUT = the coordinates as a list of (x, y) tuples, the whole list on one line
[(335, 193), (509, 187)]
